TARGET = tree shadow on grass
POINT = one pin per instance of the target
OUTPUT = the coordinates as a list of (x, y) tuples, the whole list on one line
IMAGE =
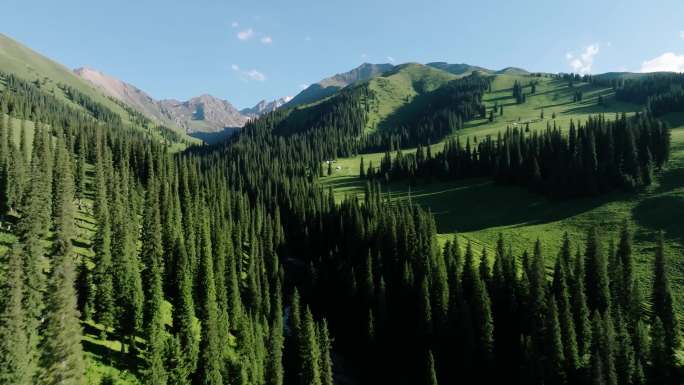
[(662, 213), (105, 354), (478, 204)]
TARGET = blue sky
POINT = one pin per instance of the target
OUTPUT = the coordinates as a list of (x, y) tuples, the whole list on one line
[(245, 51)]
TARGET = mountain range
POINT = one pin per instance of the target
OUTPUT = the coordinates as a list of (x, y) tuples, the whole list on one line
[(204, 114)]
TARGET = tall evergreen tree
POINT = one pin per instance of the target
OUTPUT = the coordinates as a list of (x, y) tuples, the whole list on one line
[(663, 309), (274, 372), (210, 363), (15, 365), (184, 312), (596, 274), (62, 360), (309, 353), (325, 348), (155, 373), (430, 374)]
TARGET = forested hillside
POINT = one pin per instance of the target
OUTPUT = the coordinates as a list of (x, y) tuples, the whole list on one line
[(127, 262)]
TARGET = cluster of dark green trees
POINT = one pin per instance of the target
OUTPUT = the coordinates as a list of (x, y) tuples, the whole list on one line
[(167, 231), (415, 314), (599, 156), (519, 93)]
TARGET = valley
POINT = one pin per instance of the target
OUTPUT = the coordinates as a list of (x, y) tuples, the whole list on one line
[(399, 223)]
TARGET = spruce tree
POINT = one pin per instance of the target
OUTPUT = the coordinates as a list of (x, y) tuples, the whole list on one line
[(15, 365), (556, 368), (627, 286), (103, 272), (155, 372), (309, 353), (64, 208), (184, 311), (210, 362), (430, 374), (580, 309), (274, 370), (126, 267), (62, 360), (624, 353), (663, 308), (661, 357), (152, 252), (325, 347), (597, 283)]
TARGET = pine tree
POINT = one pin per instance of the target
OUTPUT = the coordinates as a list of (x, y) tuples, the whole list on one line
[(627, 286), (309, 353), (274, 370), (555, 370), (661, 356), (597, 365), (184, 311), (430, 375), (62, 360), (33, 226), (4, 164), (155, 373), (210, 363), (597, 282), (64, 208), (126, 267), (580, 309), (152, 252), (15, 365), (102, 244), (325, 347), (663, 309), (624, 353)]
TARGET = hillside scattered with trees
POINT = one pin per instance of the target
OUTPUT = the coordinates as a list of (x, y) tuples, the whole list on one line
[(123, 261)]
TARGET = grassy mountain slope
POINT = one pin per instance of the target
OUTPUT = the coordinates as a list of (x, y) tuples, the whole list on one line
[(331, 85), (396, 93), (27, 64), (397, 96), (21, 61), (458, 68), (479, 209)]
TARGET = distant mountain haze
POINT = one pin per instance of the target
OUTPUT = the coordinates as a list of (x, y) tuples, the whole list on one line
[(264, 107), (204, 113)]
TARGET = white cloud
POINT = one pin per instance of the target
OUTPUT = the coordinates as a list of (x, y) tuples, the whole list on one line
[(681, 34), (248, 75), (668, 61), (582, 64), (235, 24), (266, 40), (255, 75), (245, 34), (303, 86), (390, 59)]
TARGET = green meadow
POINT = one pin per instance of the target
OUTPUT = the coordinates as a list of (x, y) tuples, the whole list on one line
[(480, 209)]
